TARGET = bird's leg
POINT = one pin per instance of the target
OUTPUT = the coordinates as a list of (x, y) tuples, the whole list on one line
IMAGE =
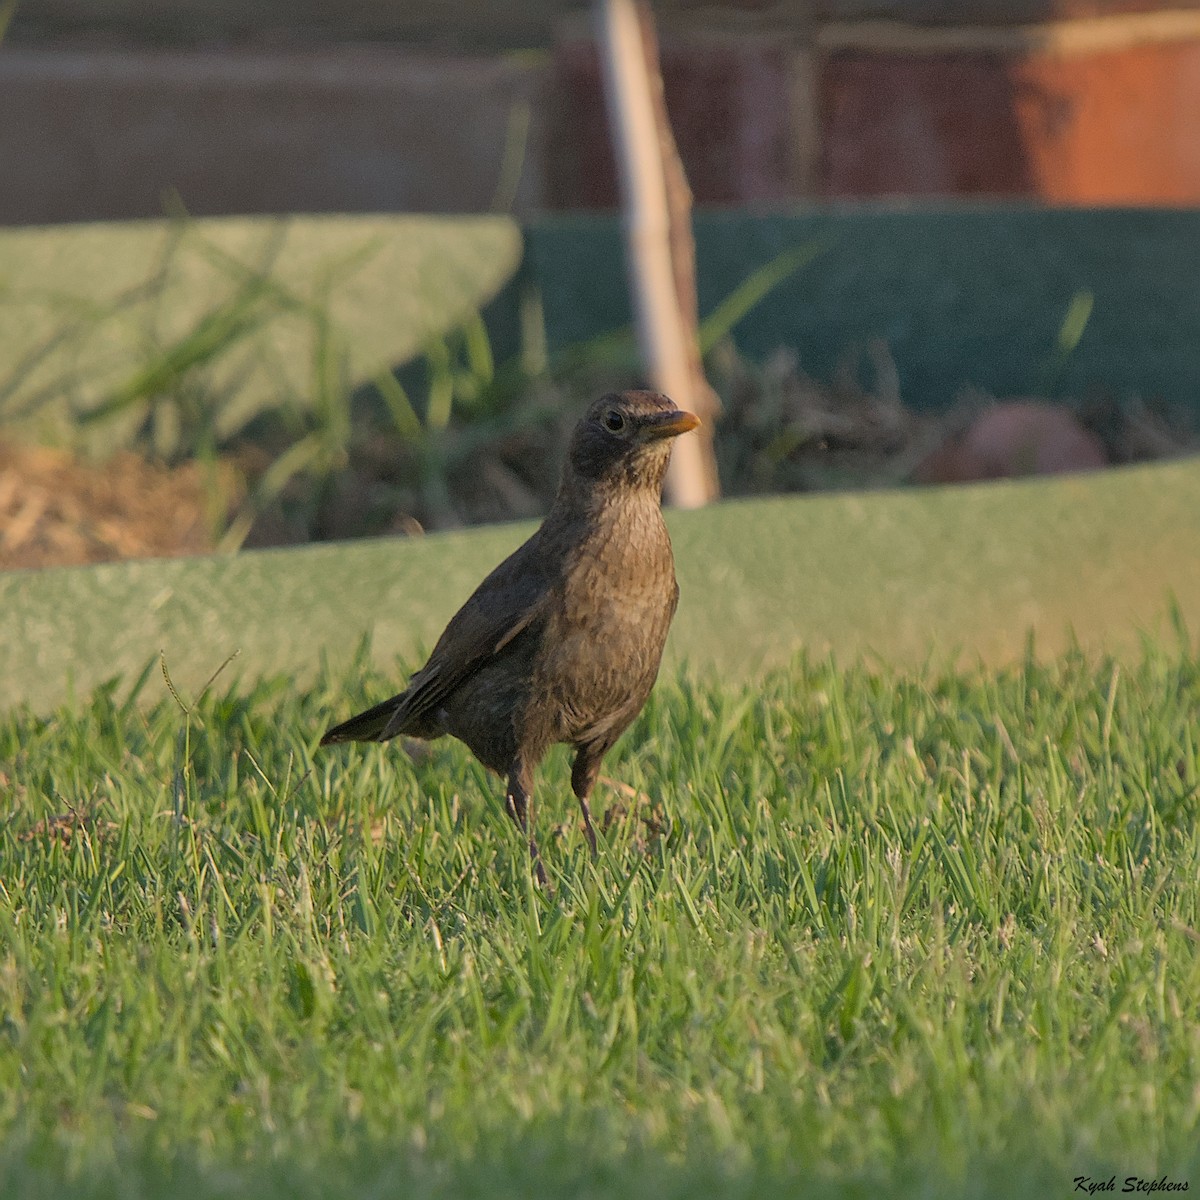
[(583, 779), (519, 802)]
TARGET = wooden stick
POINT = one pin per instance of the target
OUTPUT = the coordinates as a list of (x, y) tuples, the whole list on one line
[(662, 333)]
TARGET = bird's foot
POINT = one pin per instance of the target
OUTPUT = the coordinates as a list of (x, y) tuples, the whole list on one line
[(539, 871), (589, 831)]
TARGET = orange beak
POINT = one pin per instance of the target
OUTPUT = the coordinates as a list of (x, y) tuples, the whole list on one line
[(669, 424)]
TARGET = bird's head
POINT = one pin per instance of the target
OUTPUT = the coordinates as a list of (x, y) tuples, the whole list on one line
[(624, 441)]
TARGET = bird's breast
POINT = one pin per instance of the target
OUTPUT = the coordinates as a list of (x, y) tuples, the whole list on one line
[(623, 573), (603, 640)]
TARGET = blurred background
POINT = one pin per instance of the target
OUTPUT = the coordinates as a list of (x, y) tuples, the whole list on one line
[(367, 106), (934, 243)]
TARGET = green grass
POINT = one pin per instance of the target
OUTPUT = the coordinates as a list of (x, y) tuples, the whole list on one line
[(901, 934)]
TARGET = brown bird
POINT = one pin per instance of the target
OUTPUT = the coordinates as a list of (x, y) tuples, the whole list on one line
[(562, 641)]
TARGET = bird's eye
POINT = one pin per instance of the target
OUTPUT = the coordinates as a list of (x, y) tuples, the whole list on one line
[(613, 421)]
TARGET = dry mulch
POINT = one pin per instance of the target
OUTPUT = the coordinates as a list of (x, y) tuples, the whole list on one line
[(57, 510), (779, 432)]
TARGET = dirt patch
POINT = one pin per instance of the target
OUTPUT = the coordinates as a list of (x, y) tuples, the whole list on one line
[(780, 432), (57, 510)]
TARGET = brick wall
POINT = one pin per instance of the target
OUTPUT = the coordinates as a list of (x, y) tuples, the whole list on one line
[(260, 106)]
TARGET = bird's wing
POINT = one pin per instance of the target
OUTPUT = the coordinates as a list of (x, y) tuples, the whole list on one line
[(512, 599)]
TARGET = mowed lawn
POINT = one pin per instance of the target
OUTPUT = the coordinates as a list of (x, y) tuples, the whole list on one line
[(852, 931)]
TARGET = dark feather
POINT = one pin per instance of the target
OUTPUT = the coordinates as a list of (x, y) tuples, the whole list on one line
[(503, 606), (366, 727)]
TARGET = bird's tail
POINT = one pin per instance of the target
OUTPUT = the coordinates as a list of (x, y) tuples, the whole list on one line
[(366, 727)]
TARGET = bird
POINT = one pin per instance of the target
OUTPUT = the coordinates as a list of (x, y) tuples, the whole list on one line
[(562, 642)]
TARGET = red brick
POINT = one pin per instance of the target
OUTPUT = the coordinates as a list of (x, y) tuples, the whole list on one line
[(738, 111), (1106, 127)]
